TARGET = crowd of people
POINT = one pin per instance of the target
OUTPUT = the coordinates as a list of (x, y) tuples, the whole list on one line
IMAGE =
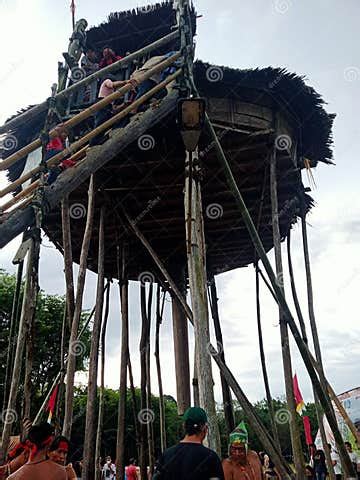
[(42, 456)]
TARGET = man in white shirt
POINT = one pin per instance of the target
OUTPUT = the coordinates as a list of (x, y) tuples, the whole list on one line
[(354, 457), (336, 463), (109, 470)]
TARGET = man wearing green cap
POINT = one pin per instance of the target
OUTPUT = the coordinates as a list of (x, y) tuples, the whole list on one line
[(242, 464), (190, 460)]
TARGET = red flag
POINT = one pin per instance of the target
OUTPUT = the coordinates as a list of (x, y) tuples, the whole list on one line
[(307, 428), (298, 397), (52, 403)]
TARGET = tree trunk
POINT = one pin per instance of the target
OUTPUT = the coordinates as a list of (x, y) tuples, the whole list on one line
[(73, 342), (68, 260), (12, 333), (285, 347), (124, 296), (89, 465), (227, 400), (27, 312), (102, 385), (159, 316), (195, 248)]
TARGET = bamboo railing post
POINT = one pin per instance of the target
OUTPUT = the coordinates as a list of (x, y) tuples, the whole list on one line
[(89, 463), (285, 347), (102, 385), (73, 347), (159, 317), (197, 279), (124, 300), (68, 260), (12, 332), (227, 400)]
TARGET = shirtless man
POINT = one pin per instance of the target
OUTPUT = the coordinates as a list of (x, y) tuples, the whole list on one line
[(58, 452), (38, 467), (242, 464)]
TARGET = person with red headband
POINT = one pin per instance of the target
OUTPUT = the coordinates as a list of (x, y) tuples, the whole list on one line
[(39, 467), (58, 452)]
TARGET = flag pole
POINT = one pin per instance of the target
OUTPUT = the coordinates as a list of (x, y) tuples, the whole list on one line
[(72, 8)]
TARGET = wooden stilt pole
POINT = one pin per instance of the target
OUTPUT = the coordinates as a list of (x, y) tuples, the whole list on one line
[(319, 413), (73, 346), (12, 333), (159, 316), (102, 385), (285, 347), (27, 312), (197, 280), (227, 400), (89, 465), (124, 296), (151, 414), (195, 380), (143, 414), (263, 363), (181, 348), (134, 406), (68, 261)]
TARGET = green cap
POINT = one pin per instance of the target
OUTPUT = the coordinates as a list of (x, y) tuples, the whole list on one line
[(240, 434), (195, 416)]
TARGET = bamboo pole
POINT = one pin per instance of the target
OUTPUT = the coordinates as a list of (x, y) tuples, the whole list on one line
[(151, 414), (100, 424), (134, 405), (263, 361), (285, 347), (227, 400), (68, 260), (124, 301), (87, 112), (38, 109), (71, 363), (23, 194), (89, 462), (319, 413), (197, 281), (96, 131), (159, 317), (12, 331), (143, 414), (303, 349), (27, 311)]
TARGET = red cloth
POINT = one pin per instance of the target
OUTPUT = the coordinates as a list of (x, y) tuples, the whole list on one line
[(55, 144), (52, 400), (68, 163), (105, 62), (131, 472), (297, 394), (307, 428)]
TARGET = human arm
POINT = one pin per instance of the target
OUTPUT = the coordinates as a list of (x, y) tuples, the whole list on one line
[(70, 472)]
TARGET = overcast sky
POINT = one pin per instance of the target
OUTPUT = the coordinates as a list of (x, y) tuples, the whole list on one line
[(317, 39)]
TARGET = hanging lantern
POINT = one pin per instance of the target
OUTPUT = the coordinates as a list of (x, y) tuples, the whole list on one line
[(191, 118)]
